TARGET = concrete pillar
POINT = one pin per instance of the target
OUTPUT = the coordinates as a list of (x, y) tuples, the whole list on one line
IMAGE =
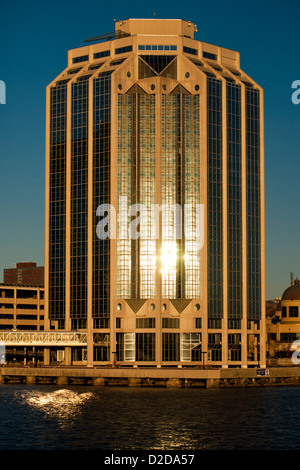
[(46, 356), (134, 382), (62, 380), (30, 379), (212, 383), (68, 356), (99, 381), (174, 383)]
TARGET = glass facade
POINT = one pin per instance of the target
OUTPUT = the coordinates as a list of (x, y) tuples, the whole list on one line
[(214, 198), (253, 175), (169, 171), (57, 201), (101, 192), (234, 201), (191, 194), (79, 185), (136, 186)]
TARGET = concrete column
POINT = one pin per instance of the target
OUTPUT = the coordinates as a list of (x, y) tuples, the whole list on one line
[(99, 381), (30, 379), (46, 356), (212, 383), (68, 356), (134, 382), (61, 380), (174, 383)]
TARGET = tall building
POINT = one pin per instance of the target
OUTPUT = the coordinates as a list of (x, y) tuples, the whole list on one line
[(149, 116), (25, 273)]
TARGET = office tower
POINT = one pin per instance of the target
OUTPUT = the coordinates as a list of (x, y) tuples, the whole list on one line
[(24, 273), (149, 116)]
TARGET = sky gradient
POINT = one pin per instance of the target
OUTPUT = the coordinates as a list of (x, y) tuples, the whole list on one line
[(34, 39)]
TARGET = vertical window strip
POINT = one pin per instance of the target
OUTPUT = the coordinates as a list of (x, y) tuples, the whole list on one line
[(169, 152), (234, 200), (147, 246), (214, 198), (57, 201), (79, 175), (124, 192), (253, 203), (192, 195), (101, 192)]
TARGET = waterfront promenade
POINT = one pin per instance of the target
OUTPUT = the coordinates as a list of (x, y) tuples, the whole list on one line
[(155, 377)]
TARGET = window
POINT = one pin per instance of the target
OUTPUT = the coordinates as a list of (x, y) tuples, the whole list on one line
[(72, 71), (81, 58), (100, 323), (234, 324), (234, 347), (101, 172), (208, 55), (96, 66), (97, 55), (171, 347), (101, 347), (289, 337), (215, 323), (117, 62), (156, 47), (253, 198), (214, 347), (118, 322), (145, 322), (122, 50), (145, 347), (190, 342), (293, 311), (189, 50), (234, 201), (170, 322), (198, 322)]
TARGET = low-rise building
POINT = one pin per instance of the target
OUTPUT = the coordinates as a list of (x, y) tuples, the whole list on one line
[(22, 309), (283, 326), (24, 274)]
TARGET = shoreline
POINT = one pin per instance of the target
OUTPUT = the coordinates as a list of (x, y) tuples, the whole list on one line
[(150, 377)]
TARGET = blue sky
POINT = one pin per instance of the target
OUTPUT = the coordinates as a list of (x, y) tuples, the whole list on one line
[(34, 39)]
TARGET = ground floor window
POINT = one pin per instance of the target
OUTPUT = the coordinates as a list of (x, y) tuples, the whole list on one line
[(170, 346), (145, 347), (214, 347)]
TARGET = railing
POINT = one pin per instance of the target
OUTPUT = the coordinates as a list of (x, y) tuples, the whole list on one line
[(43, 338)]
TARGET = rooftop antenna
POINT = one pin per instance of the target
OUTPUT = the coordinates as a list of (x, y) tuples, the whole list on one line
[(292, 278)]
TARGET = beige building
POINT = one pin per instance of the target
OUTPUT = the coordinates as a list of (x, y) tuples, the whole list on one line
[(21, 312), (150, 116), (21, 307), (283, 327)]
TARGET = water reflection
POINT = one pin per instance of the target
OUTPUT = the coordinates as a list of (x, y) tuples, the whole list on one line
[(62, 405), (169, 437)]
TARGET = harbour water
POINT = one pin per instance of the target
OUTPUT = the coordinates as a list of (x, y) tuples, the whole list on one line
[(47, 417)]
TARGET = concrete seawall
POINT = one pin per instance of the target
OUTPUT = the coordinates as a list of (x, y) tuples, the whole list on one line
[(152, 377)]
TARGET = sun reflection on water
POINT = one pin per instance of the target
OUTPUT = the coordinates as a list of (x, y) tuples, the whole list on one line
[(62, 405)]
